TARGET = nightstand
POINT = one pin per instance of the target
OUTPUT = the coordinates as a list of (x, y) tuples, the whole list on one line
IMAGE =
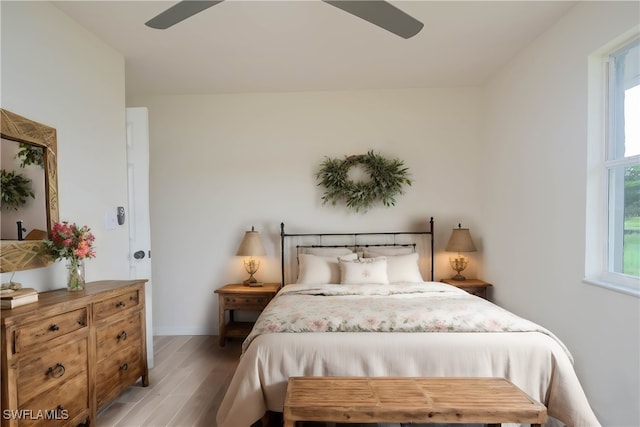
[(473, 286), (241, 297)]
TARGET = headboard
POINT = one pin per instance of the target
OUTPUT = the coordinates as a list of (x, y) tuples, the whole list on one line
[(359, 240)]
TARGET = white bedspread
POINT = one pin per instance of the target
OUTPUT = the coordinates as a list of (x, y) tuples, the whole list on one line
[(532, 358)]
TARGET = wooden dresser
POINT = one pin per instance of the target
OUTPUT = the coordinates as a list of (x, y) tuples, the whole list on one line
[(70, 353)]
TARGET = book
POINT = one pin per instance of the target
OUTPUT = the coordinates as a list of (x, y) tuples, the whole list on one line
[(18, 297)]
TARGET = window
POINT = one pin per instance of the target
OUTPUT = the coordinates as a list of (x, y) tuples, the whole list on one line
[(614, 167)]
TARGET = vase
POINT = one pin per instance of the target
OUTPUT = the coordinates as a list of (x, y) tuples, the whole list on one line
[(75, 275)]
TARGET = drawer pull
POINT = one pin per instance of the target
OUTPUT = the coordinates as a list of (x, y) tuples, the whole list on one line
[(56, 371), (122, 336), (120, 304), (54, 327), (124, 367)]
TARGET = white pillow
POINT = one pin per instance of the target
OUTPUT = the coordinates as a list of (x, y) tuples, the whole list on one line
[(364, 271), (374, 251), (403, 268), (328, 252), (314, 270)]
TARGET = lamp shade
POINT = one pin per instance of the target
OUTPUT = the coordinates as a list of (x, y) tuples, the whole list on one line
[(251, 245), (460, 241)]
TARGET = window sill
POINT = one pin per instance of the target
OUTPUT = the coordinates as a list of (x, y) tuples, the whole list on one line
[(613, 286)]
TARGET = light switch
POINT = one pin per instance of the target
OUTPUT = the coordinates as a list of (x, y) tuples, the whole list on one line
[(110, 220)]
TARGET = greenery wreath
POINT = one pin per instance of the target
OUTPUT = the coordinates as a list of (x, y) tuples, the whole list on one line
[(387, 178)]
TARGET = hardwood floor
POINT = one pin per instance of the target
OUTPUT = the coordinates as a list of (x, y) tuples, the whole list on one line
[(187, 385), (188, 381)]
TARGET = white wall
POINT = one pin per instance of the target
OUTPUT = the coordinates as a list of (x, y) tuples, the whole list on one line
[(220, 164), (534, 212), (57, 73)]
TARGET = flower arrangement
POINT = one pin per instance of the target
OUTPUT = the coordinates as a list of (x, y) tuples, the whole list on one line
[(74, 244)]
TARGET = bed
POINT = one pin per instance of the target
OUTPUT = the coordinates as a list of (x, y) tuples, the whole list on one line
[(362, 309)]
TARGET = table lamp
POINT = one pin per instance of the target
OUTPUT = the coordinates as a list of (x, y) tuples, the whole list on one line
[(460, 241), (251, 246)]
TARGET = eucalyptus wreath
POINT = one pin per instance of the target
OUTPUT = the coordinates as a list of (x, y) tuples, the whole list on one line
[(387, 178)]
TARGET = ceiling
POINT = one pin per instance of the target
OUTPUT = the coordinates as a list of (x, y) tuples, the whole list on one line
[(241, 46)]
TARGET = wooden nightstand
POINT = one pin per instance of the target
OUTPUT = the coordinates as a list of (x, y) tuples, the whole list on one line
[(473, 286), (242, 297)]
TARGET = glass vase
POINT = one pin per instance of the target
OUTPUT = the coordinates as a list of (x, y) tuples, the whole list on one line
[(75, 275)]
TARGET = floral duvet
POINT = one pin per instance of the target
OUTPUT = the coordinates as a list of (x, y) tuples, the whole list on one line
[(406, 307)]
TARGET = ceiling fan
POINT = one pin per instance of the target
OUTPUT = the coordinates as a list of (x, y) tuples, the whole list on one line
[(377, 12)]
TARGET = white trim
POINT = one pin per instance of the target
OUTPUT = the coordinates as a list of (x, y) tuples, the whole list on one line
[(187, 330), (612, 286), (600, 163)]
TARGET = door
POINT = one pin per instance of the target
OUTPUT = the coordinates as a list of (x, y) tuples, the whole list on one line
[(139, 222)]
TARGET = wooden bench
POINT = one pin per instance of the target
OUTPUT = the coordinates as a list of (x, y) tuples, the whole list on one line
[(396, 400)]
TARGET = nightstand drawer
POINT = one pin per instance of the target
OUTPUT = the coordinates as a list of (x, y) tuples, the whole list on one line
[(246, 302), (480, 292), (475, 287), (50, 328)]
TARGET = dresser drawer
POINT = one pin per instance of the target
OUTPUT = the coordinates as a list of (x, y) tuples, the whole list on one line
[(45, 330), (113, 338), (57, 409), (246, 302), (117, 372), (51, 369), (117, 304)]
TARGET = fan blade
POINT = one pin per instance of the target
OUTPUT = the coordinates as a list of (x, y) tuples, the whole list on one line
[(382, 14), (179, 12)]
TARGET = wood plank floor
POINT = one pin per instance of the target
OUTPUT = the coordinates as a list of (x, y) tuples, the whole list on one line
[(187, 385)]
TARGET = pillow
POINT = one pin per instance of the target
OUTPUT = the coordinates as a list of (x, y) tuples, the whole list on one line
[(364, 271), (315, 270), (328, 252), (374, 251), (403, 268)]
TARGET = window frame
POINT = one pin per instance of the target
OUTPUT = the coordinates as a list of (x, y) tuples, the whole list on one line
[(603, 164)]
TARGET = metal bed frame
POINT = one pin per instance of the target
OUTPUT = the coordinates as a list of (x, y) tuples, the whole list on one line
[(355, 244)]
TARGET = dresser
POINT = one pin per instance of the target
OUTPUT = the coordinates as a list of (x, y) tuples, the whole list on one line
[(67, 355)]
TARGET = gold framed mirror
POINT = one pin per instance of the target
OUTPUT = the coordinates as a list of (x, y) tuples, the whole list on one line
[(17, 255)]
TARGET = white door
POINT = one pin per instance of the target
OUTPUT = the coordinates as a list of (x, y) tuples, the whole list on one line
[(139, 223)]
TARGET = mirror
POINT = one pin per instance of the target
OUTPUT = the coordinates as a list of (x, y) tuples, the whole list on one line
[(24, 143), (23, 212)]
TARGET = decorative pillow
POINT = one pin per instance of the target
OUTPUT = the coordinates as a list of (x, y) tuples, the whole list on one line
[(328, 252), (364, 271), (402, 268), (314, 270), (374, 251)]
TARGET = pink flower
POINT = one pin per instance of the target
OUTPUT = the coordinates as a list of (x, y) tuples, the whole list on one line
[(70, 242)]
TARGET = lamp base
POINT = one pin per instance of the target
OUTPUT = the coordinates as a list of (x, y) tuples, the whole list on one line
[(251, 281), (255, 284), (458, 277)]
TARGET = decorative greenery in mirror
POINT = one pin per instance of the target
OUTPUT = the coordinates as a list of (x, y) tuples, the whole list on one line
[(36, 150)]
